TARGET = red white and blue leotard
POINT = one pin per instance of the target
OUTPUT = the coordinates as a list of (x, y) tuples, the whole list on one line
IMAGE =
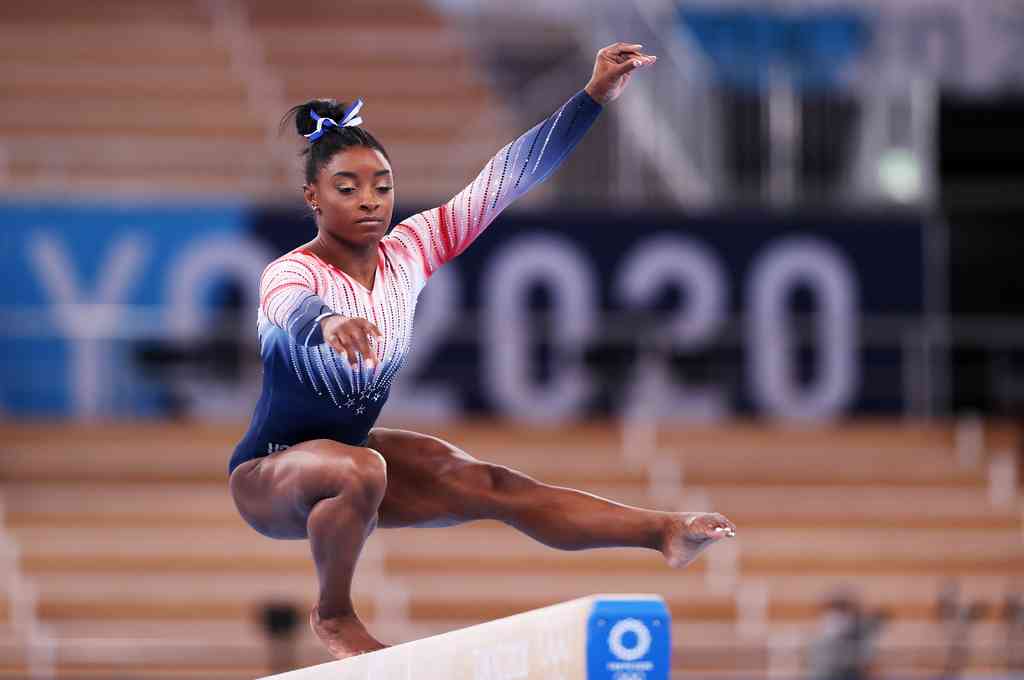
[(309, 392)]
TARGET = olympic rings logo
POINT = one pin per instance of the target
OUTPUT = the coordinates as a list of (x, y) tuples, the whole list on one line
[(618, 632)]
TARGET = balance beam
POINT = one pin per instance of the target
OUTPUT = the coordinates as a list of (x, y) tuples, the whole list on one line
[(600, 637)]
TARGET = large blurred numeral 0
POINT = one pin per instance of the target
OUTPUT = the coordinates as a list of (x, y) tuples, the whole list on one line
[(695, 271), (776, 274), (508, 339)]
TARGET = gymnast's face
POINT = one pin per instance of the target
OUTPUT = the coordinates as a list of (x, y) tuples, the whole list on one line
[(356, 197)]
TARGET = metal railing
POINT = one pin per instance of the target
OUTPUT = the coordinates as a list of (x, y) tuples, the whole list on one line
[(684, 136), (37, 639)]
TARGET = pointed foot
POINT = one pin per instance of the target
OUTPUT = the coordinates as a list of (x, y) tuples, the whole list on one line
[(690, 533)]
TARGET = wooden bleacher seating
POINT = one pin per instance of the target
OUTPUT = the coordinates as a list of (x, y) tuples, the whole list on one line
[(148, 552), (147, 98)]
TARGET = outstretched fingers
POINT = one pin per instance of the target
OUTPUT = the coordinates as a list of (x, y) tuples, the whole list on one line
[(358, 334), (351, 338), (627, 56), (334, 340), (621, 47), (613, 68)]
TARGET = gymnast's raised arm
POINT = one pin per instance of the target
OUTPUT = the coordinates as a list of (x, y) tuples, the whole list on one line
[(436, 236)]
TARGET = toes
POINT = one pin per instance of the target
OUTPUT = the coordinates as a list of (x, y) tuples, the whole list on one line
[(720, 526), (712, 526)]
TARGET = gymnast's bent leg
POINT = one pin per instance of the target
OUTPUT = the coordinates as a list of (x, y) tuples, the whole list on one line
[(432, 483), (329, 493)]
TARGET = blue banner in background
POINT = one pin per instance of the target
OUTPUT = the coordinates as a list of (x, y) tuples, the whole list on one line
[(728, 290), (71, 275), (748, 46), (127, 310)]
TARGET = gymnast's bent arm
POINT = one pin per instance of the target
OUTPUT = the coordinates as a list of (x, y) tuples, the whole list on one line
[(289, 300)]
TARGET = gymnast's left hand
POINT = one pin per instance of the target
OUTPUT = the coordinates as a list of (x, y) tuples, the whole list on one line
[(350, 338), (613, 68)]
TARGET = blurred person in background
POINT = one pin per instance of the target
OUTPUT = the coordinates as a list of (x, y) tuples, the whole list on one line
[(844, 645), (958, 619), (335, 323), (1013, 615)]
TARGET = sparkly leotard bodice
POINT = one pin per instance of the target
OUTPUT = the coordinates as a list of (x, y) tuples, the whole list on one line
[(309, 392)]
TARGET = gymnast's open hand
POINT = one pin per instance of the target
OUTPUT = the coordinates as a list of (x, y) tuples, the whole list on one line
[(351, 336), (612, 69)]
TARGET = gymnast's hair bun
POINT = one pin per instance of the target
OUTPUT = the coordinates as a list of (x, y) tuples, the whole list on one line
[(324, 108), (332, 139)]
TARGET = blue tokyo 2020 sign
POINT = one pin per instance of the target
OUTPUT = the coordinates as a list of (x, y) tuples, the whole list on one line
[(546, 317), (629, 639)]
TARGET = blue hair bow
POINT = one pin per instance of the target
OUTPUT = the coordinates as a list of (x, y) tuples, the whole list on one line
[(350, 119)]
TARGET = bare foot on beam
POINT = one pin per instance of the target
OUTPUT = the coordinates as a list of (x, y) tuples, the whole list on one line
[(343, 637)]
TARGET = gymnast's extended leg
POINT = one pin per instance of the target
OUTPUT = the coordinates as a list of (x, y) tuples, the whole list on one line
[(330, 493), (432, 483)]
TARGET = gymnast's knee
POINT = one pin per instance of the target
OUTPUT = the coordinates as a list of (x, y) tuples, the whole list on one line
[(368, 478), (358, 475)]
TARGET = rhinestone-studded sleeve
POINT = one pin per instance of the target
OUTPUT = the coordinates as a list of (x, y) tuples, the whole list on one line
[(435, 236), (289, 300)]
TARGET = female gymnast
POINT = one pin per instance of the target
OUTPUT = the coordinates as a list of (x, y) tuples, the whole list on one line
[(334, 322)]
